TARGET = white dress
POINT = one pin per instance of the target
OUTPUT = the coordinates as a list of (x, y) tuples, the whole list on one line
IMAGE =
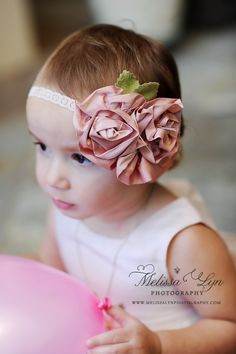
[(141, 258)]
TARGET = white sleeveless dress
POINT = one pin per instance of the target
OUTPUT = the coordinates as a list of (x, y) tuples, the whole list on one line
[(90, 256)]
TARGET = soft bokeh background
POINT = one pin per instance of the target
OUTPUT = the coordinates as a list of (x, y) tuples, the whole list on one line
[(202, 37)]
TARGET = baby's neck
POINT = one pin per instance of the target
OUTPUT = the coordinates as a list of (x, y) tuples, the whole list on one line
[(131, 212)]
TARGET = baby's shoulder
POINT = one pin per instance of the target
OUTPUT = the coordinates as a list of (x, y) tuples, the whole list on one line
[(205, 265), (197, 246)]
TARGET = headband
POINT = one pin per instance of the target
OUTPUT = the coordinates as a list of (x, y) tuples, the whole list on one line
[(53, 96), (125, 127)]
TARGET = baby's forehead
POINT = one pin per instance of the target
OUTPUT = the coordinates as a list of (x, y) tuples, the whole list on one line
[(51, 122)]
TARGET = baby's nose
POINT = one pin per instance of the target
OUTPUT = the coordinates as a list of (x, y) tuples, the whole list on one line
[(57, 176)]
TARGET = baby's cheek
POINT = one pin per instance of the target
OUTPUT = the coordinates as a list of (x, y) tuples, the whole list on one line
[(96, 187), (40, 174), (89, 195)]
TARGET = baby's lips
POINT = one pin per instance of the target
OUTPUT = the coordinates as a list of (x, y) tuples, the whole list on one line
[(104, 304)]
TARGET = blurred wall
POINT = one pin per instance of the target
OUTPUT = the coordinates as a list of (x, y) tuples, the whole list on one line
[(55, 19), (161, 19), (17, 37)]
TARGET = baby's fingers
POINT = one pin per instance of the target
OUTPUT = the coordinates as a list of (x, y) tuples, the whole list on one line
[(116, 336), (108, 349), (111, 324)]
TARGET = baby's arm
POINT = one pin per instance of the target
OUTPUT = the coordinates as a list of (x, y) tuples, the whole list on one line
[(200, 247), (49, 251)]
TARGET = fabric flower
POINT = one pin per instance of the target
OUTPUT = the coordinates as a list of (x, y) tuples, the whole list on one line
[(159, 122), (125, 131), (105, 126)]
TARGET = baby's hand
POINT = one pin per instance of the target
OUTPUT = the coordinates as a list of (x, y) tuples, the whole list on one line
[(131, 337)]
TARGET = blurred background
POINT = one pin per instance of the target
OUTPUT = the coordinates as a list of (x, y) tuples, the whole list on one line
[(202, 37)]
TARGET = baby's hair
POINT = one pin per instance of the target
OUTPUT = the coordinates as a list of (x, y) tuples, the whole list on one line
[(94, 57)]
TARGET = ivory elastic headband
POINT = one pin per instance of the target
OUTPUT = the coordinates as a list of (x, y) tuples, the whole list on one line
[(53, 96)]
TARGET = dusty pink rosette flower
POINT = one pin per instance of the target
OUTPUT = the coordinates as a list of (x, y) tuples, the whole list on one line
[(124, 131)]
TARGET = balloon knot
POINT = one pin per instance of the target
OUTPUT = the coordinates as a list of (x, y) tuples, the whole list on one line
[(104, 304)]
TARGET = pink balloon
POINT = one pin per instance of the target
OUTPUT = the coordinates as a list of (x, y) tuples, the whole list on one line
[(44, 310)]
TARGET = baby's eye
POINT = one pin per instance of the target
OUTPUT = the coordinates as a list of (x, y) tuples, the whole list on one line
[(82, 160), (42, 146)]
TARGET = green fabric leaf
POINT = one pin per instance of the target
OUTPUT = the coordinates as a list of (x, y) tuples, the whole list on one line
[(127, 81), (148, 90)]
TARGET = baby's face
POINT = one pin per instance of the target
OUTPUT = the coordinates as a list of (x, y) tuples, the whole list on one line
[(76, 186)]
